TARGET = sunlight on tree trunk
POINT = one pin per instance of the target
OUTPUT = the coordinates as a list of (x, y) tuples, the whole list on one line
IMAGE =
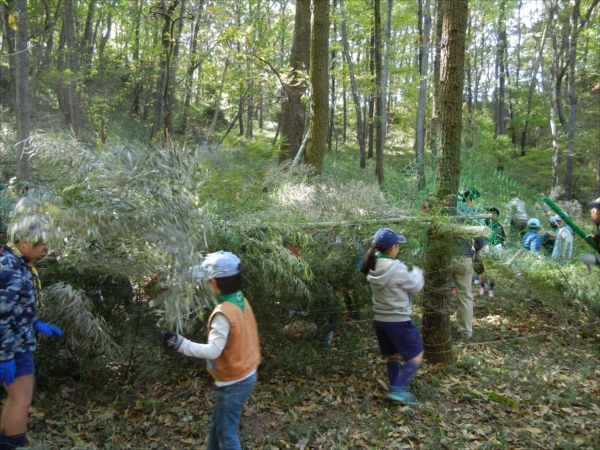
[(319, 78), (436, 318), (22, 85)]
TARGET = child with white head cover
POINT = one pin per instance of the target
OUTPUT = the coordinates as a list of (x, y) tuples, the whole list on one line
[(232, 351)]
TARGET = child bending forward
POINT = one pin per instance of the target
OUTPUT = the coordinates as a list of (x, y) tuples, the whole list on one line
[(233, 350), (391, 282)]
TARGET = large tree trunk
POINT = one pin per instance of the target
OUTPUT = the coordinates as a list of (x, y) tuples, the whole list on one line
[(73, 96), (293, 110), (423, 66), (22, 85), (319, 79), (360, 132), (436, 320), (379, 104)]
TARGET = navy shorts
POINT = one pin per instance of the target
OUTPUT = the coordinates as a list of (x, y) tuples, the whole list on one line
[(399, 337), (24, 363)]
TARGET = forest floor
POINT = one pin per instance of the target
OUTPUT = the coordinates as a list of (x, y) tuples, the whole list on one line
[(528, 379)]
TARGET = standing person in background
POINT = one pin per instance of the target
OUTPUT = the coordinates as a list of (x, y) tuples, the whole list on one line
[(391, 284), (497, 238), (563, 247), (588, 259), (467, 198), (516, 214), (20, 290)]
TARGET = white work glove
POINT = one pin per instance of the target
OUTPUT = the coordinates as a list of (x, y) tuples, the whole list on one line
[(589, 260)]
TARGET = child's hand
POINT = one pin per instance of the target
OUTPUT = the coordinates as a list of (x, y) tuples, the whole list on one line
[(172, 340)]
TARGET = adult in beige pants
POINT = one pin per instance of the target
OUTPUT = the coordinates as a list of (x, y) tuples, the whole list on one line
[(462, 277)]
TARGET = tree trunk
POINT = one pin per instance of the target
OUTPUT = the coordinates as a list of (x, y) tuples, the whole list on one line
[(420, 129), (436, 320), (379, 104), (435, 94), (86, 45), (345, 105), (573, 35), (218, 104), (499, 73), (22, 91), (332, 90), (138, 86), (554, 99), (319, 78), (175, 46), (369, 118), (360, 134), (105, 38), (532, 83), (73, 97), (386, 71), (293, 110)]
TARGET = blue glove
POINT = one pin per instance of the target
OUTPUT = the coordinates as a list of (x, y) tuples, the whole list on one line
[(47, 329), (7, 372)]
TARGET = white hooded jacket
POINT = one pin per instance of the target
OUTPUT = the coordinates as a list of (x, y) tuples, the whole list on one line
[(391, 283)]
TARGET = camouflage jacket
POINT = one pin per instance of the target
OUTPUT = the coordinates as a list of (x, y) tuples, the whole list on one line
[(17, 305)]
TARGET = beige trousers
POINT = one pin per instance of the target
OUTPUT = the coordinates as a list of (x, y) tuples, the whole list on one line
[(462, 277)]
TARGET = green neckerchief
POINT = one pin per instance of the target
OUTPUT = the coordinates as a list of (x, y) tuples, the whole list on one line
[(380, 255), (237, 298)]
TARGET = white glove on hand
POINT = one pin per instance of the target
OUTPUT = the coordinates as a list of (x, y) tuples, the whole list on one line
[(589, 260)]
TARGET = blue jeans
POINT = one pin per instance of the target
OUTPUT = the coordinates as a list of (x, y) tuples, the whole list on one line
[(227, 413)]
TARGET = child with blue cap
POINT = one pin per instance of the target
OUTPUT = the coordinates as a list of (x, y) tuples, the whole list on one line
[(391, 284), (532, 240), (232, 351)]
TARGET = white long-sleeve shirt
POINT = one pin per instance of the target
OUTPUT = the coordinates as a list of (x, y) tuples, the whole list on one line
[(217, 339), (515, 209)]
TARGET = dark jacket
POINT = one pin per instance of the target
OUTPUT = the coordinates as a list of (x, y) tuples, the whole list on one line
[(17, 305)]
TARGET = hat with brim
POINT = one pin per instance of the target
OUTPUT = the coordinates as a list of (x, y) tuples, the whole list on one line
[(557, 217), (595, 203), (386, 238), (219, 264)]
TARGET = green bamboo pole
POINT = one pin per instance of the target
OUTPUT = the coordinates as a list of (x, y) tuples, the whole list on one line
[(582, 234)]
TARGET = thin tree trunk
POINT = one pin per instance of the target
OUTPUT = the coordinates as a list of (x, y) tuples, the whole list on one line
[(22, 91), (360, 134), (175, 46), (499, 73), (218, 104), (332, 105), (572, 99), (369, 118), (345, 125), (424, 66), (532, 83), (86, 45), (436, 319), (319, 78), (554, 99), (386, 71), (379, 105), (105, 38), (73, 98), (435, 107)]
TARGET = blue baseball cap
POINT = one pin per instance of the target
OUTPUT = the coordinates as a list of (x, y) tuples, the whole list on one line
[(219, 264), (557, 217), (387, 238), (595, 203)]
